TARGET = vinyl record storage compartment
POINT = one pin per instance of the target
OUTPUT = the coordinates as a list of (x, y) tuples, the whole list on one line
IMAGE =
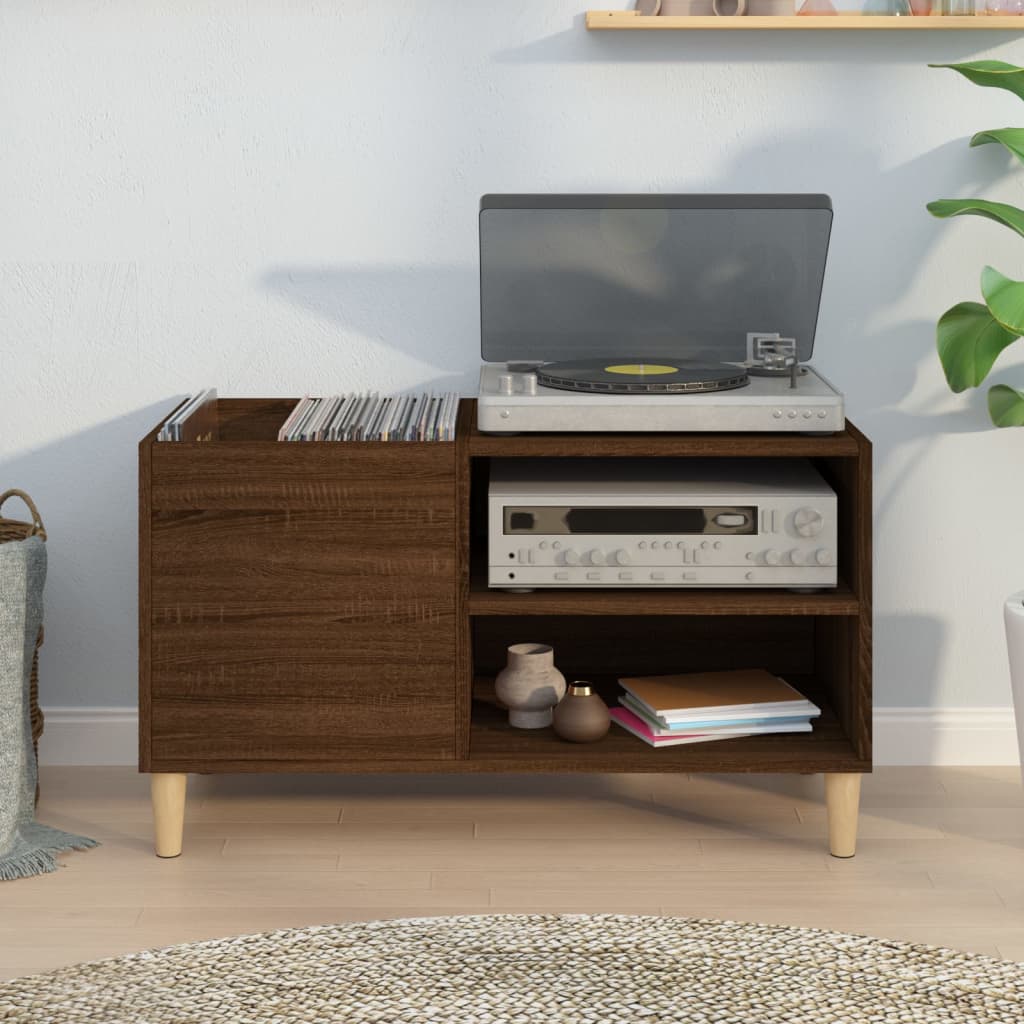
[(323, 607)]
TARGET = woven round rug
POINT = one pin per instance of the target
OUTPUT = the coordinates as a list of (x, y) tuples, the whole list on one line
[(563, 969)]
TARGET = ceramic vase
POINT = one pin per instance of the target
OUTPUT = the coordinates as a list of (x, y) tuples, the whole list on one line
[(581, 715), (530, 685), (1013, 616)]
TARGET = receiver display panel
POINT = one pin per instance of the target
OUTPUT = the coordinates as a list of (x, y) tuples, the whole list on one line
[(629, 520)]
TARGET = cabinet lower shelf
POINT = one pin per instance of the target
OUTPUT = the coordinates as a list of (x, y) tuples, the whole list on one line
[(496, 746)]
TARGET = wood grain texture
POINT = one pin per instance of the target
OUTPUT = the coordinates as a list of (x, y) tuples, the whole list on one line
[(840, 601), (145, 603), (463, 641), (309, 607), (739, 847), (303, 600)]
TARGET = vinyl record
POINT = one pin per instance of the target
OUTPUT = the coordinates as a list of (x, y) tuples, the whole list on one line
[(632, 376)]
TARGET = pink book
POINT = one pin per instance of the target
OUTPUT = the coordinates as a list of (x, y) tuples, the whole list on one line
[(631, 723)]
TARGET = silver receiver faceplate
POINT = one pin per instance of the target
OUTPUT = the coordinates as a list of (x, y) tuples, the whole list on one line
[(660, 523)]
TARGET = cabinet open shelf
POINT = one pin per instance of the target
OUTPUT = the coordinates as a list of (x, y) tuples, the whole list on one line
[(495, 746), (631, 20), (484, 601)]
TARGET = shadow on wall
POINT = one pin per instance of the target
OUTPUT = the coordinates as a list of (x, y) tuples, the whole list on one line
[(86, 488), (912, 647)]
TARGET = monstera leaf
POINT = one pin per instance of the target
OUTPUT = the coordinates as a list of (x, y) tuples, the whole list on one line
[(1004, 298), (995, 74), (1010, 138), (1001, 213), (969, 340), (1006, 406)]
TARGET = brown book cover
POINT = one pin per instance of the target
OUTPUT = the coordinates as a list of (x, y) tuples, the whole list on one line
[(706, 691)]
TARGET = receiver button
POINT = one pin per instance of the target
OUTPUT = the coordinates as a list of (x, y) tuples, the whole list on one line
[(797, 557), (596, 557), (823, 556), (771, 557), (621, 557), (730, 519), (571, 557)]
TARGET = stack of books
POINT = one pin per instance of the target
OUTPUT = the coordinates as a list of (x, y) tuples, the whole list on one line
[(666, 711), (355, 417)]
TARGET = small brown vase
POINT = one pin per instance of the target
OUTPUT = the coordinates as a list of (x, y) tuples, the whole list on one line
[(581, 716)]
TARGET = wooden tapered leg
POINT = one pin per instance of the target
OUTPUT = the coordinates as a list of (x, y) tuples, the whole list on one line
[(842, 800), (168, 792)]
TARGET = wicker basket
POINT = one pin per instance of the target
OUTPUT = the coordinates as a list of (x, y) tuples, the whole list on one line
[(16, 529)]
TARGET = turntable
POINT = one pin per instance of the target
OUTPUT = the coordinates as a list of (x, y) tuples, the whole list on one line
[(653, 313)]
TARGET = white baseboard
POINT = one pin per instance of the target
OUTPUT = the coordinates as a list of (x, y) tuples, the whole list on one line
[(89, 736), (942, 736), (903, 736)]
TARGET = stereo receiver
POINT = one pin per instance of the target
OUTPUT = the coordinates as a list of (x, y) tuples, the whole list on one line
[(660, 523)]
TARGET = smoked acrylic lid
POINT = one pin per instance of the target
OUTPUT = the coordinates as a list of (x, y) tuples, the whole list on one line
[(683, 277)]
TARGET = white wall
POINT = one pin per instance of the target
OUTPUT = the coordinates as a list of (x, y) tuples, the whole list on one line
[(281, 195)]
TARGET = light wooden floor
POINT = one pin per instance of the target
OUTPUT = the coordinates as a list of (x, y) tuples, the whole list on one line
[(941, 856)]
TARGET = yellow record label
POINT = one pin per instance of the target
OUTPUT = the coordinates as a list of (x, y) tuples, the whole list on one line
[(641, 369)]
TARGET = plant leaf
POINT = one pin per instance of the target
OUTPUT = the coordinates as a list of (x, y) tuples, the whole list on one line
[(969, 339), (1001, 213), (1010, 138), (1006, 406), (996, 74), (1004, 298)]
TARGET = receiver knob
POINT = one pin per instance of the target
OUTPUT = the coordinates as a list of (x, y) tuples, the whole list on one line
[(621, 557), (823, 556), (771, 557), (797, 557), (571, 557), (808, 522), (596, 557)]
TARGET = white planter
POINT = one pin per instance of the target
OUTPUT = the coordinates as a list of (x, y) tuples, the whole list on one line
[(1013, 616)]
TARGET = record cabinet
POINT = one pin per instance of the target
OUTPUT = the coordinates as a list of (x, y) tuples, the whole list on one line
[(322, 607)]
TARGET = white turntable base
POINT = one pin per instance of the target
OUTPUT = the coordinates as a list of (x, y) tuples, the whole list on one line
[(766, 404)]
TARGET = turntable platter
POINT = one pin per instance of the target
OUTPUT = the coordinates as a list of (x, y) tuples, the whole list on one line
[(634, 376)]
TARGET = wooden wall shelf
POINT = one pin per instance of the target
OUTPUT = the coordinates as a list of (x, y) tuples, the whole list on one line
[(630, 20), (323, 607)]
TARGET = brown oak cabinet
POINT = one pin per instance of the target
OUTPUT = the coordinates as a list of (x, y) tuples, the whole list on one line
[(323, 607)]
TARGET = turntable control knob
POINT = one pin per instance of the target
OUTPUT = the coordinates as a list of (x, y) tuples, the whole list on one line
[(823, 556), (621, 557), (808, 521), (596, 557), (797, 557), (571, 557), (771, 557), (506, 384)]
